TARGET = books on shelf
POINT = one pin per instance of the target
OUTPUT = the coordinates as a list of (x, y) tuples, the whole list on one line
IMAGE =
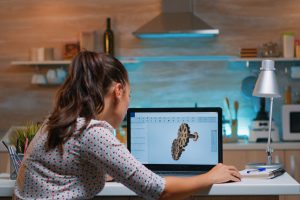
[(248, 52), (262, 173)]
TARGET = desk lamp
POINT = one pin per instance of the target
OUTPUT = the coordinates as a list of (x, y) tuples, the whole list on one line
[(266, 87)]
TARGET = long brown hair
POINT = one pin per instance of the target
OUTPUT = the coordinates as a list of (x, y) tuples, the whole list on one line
[(82, 94)]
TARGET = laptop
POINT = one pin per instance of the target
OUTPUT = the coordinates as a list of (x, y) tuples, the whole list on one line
[(176, 141)]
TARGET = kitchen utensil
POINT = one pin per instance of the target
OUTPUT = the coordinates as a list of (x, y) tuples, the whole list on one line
[(227, 105), (236, 108)]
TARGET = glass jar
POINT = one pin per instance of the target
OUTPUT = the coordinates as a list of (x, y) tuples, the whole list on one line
[(297, 48), (288, 44)]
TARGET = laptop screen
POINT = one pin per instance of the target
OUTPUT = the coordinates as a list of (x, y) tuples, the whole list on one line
[(175, 139)]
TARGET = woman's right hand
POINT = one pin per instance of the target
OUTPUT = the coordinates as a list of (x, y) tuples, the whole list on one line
[(222, 173), (182, 187)]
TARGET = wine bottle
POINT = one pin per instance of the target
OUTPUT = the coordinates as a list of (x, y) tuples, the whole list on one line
[(108, 39)]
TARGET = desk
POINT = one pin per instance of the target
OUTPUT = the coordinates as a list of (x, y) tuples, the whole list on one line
[(268, 189)]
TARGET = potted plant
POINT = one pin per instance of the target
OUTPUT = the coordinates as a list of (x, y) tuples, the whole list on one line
[(19, 137), (23, 136)]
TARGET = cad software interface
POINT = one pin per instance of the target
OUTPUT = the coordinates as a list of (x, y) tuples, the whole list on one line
[(175, 137)]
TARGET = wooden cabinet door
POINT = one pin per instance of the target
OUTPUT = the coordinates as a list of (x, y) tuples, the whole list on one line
[(292, 163), (4, 162), (235, 157), (292, 166), (240, 158), (260, 156)]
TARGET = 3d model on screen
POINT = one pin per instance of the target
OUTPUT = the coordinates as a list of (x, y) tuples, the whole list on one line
[(182, 140)]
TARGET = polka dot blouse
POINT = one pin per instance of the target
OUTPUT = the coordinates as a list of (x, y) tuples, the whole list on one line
[(80, 172)]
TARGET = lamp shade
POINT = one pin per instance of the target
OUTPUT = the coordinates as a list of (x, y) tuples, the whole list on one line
[(266, 84)]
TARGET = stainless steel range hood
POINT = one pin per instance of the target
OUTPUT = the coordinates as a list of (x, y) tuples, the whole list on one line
[(176, 20)]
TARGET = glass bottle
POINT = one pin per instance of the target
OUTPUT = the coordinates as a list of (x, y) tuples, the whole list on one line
[(288, 95), (108, 39)]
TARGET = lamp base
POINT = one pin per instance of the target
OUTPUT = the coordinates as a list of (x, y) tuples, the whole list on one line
[(263, 165)]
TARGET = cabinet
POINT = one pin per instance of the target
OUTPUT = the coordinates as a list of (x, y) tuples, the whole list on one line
[(292, 165), (286, 153), (240, 158), (5, 164)]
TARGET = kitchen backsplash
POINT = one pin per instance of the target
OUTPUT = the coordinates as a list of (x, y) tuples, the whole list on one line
[(186, 84)]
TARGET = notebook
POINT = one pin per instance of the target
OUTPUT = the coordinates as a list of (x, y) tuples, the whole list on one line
[(176, 141), (262, 173)]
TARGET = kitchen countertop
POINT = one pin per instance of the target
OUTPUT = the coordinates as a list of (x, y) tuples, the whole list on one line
[(282, 185)]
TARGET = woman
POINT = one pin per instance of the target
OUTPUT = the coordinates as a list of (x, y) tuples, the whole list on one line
[(75, 148)]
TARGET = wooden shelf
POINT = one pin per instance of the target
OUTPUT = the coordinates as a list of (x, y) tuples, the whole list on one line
[(57, 62), (280, 59), (46, 84), (41, 63), (135, 59)]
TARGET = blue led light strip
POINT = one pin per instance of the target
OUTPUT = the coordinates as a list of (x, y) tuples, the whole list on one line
[(174, 35)]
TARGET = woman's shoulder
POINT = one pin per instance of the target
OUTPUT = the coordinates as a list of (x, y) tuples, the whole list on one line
[(95, 125), (100, 124), (98, 130)]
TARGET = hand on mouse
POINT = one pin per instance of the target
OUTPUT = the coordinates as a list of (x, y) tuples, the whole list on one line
[(222, 173)]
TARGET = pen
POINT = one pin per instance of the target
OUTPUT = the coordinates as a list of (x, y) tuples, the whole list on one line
[(277, 172), (12, 159), (256, 170)]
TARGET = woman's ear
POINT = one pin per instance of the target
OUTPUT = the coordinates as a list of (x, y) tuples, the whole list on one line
[(118, 90)]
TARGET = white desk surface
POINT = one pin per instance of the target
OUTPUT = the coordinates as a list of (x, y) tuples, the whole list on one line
[(282, 185)]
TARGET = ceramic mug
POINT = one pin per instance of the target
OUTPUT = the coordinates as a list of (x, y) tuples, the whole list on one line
[(61, 74), (39, 79)]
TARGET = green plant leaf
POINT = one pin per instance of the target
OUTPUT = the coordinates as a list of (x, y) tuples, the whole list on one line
[(19, 139)]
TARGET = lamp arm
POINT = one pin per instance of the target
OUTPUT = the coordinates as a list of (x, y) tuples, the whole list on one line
[(269, 148)]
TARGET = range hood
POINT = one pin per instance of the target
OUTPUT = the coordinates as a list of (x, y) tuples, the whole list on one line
[(177, 20)]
